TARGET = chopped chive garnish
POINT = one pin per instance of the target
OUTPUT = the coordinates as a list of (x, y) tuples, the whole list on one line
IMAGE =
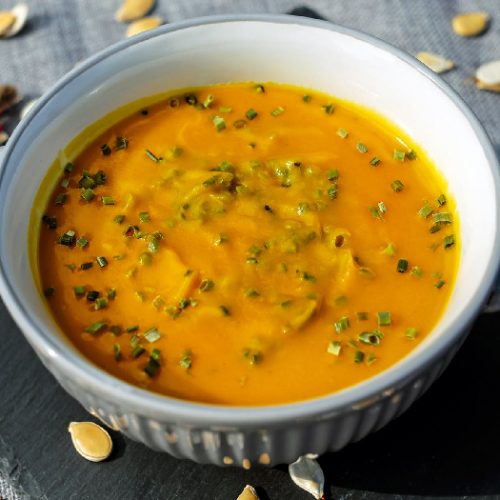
[(95, 327), (100, 178), (61, 198), (402, 266), (240, 123), (332, 192), (48, 292), (86, 181), (186, 361), (260, 88), (111, 293), (389, 250), (117, 352), (92, 295), (340, 300), (252, 293), (449, 241), (342, 133), (208, 101), (334, 348), (441, 201), (252, 260), (144, 217), (107, 200), (225, 109), (425, 211), (329, 108), (332, 175), (118, 219), (206, 285), (305, 276), (411, 155), (134, 341), (411, 333), (69, 167), (225, 311), (50, 221), (417, 271), (100, 303), (361, 148), (381, 207), (362, 316), (67, 239), (102, 261), (79, 290), (219, 123), (152, 156), (342, 324), (86, 265), (183, 303), (442, 218), (137, 351), (65, 183), (251, 114), (384, 318), (302, 208), (278, 111), (152, 335), (268, 208), (82, 242), (397, 186), (375, 161), (191, 99), (359, 356), (375, 212), (399, 155), (105, 150), (153, 364), (121, 143), (115, 330), (132, 329), (71, 267), (440, 284), (87, 194), (306, 98), (435, 228), (371, 338), (253, 357)]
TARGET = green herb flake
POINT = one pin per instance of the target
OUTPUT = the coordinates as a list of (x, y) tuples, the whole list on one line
[(152, 335), (361, 148), (362, 316), (329, 108), (332, 175), (375, 161), (251, 293), (442, 218), (102, 261), (152, 156), (411, 155), (107, 200), (225, 311), (96, 327), (251, 114), (371, 359), (121, 143), (440, 284), (260, 88), (186, 361), (417, 272), (118, 219), (371, 338), (334, 348), (306, 98), (399, 155), (79, 290), (100, 303), (219, 123), (82, 242), (425, 211), (332, 192), (389, 250), (225, 109), (61, 199), (359, 357), (105, 150), (253, 357), (381, 207), (86, 265), (278, 111), (342, 324), (342, 133), (68, 238), (384, 318), (341, 300), (69, 167), (132, 329), (144, 217), (208, 101), (402, 266), (441, 201), (137, 351), (206, 285), (397, 186), (449, 240), (111, 293), (411, 333), (117, 352)]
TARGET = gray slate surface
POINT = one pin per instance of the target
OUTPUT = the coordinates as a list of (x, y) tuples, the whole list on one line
[(446, 445)]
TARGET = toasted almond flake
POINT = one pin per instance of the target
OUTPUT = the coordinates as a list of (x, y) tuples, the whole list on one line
[(470, 23), (246, 464), (435, 62), (144, 24), (20, 13), (248, 493), (7, 19), (227, 460), (133, 9), (265, 459), (90, 440), (488, 76)]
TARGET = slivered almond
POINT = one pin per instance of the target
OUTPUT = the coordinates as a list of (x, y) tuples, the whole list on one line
[(144, 24), (133, 9), (470, 23), (435, 62)]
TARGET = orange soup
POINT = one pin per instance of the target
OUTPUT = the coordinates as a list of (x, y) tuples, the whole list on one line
[(247, 244)]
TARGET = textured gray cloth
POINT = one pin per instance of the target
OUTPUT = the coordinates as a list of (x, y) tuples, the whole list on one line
[(61, 33)]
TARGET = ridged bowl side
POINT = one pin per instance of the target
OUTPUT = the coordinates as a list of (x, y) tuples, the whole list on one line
[(259, 445)]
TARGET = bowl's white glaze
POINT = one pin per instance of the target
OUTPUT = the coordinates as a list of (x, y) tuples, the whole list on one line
[(260, 48)]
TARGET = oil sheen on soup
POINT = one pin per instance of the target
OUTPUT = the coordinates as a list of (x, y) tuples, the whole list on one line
[(247, 244)]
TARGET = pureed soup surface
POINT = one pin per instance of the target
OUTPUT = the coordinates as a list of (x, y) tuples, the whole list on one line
[(248, 244)]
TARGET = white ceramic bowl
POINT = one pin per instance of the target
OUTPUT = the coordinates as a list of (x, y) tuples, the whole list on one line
[(311, 53)]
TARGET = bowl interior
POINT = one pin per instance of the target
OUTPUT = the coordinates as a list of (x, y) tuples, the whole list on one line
[(332, 60)]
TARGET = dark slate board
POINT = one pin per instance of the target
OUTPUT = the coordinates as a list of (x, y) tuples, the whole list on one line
[(447, 444)]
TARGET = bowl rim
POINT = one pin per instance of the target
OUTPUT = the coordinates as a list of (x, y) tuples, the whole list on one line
[(155, 405)]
